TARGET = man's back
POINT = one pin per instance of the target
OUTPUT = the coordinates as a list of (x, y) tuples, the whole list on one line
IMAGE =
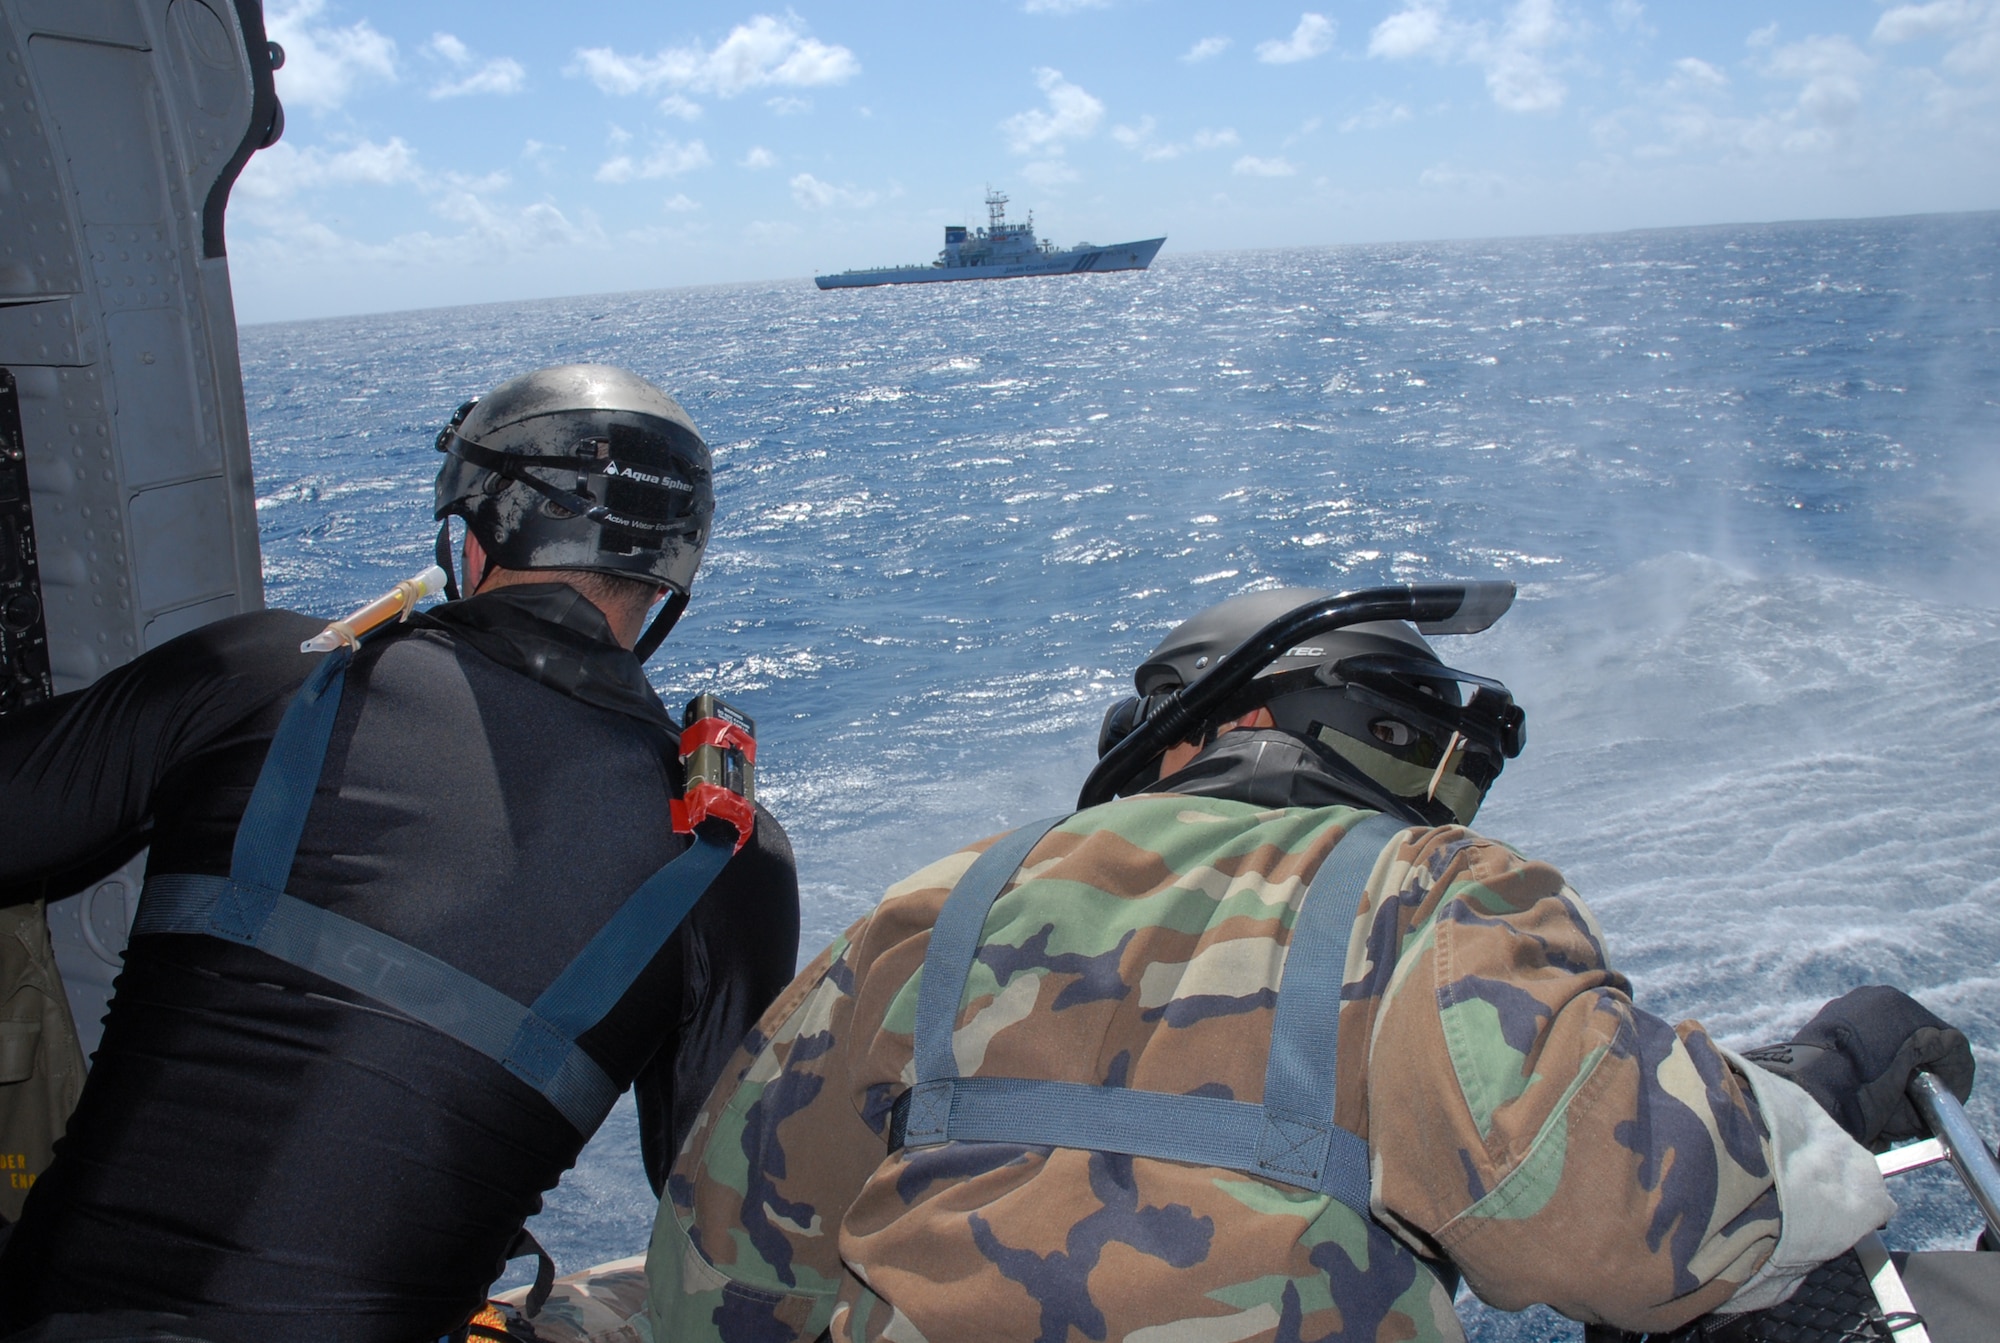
[(288, 1154), (1142, 947)]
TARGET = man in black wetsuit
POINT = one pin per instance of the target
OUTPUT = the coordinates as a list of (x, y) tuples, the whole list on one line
[(265, 1152)]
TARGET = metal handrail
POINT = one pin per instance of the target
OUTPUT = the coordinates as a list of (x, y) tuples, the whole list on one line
[(1969, 1154)]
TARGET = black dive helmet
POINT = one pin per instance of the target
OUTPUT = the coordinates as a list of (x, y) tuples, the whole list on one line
[(581, 466), (1345, 671)]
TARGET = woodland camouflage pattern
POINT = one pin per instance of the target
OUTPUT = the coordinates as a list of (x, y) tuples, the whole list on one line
[(1556, 1144), (606, 1304)]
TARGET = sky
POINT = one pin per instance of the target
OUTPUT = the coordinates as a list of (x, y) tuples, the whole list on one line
[(453, 151)]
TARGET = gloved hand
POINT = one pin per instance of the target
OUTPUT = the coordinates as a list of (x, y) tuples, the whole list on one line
[(1856, 1058)]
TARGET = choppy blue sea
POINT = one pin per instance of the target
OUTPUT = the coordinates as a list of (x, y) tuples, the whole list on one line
[(1748, 479)]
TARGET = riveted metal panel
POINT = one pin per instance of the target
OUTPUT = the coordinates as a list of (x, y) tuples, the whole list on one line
[(123, 124)]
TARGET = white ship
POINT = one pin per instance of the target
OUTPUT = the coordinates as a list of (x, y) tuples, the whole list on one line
[(1001, 251)]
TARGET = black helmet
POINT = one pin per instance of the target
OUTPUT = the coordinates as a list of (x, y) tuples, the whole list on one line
[(1374, 693), (582, 466)]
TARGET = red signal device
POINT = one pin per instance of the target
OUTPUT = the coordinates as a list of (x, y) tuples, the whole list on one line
[(719, 758)]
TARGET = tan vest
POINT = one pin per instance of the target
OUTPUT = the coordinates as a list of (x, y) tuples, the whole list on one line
[(41, 1064)]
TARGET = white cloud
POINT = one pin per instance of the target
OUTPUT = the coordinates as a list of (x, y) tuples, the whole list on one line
[(1416, 30), (1516, 56), (543, 156), (502, 75), (1693, 74), (1447, 178), (502, 231), (761, 53), (1251, 166), (669, 158), (1630, 16), (679, 204), (1377, 115), (1517, 73), (1692, 110), (1312, 37), (324, 64), (1062, 6), (1049, 174), (1908, 23), (283, 228), (1829, 71), (1140, 138), (813, 194), (449, 49), (613, 73), (759, 157), (285, 169), (1206, 49), (1071, 114), (484, 184), (1134, 136), (686, 109), (287, 239), (785, 105), (1972, 25)]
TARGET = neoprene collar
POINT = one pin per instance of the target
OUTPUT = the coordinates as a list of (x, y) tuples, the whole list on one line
[(552, 633)]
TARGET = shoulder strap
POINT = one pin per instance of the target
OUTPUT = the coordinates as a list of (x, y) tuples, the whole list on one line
[(955, 943), (267, 838), (1290, 1138), (538, 1044), (1300, 1137)]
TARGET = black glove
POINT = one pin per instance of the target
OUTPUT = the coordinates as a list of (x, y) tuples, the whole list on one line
[(1857, 1056)]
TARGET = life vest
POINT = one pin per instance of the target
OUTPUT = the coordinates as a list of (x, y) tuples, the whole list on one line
[(1290, 1137), (536, 1042)]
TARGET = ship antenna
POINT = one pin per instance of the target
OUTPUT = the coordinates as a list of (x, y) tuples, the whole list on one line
[(996, 208)]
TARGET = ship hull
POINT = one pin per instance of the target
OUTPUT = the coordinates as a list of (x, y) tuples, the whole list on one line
[(1076, 261)]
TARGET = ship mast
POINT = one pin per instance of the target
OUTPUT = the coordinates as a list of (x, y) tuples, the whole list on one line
[(996, 209)]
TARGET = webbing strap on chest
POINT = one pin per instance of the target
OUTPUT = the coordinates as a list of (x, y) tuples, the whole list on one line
[(1290, 1137), (536, 1043)]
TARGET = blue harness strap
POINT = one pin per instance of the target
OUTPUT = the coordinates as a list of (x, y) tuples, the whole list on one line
[(955, 941), (1290, 1138), (538, 1044)]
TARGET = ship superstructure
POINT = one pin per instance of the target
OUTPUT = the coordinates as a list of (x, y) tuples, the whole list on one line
[(1001, 251)]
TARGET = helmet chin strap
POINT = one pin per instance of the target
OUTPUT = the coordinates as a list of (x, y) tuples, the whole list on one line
[(663, 624)]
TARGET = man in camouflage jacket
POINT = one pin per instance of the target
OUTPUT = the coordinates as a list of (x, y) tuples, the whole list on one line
[(1527, 1126)]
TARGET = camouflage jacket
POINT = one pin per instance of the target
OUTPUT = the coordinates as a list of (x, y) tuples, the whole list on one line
[(1524, 1120)]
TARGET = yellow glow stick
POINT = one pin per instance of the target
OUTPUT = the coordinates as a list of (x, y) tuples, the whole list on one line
[(395, 604)]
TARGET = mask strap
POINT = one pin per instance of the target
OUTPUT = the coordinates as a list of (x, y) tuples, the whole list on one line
[(444, 560), (513, 466), (663, 624)]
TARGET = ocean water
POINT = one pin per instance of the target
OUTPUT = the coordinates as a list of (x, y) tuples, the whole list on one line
[(1747, 478)]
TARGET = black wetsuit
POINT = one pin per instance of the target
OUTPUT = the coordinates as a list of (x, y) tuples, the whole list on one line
[(270, 1155)]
